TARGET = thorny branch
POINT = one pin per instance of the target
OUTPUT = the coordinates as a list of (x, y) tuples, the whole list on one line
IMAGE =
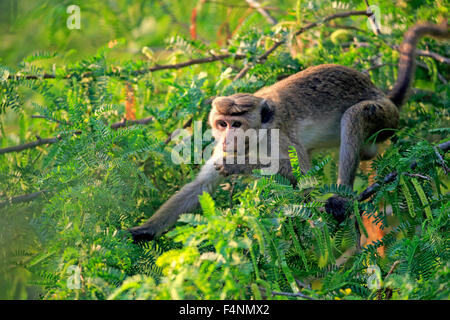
[(257, 6), (311, 25), (373, 188), (40, 141), (147, 70), (23, 198)]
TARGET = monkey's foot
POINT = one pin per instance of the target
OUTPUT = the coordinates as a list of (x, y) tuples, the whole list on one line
[(142, 233), (337, 206)]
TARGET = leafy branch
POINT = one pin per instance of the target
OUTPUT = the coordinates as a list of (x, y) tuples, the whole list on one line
[(373, 188), (46, 141), (214, 58)]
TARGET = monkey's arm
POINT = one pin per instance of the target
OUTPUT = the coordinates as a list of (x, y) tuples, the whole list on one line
[(181, 202)]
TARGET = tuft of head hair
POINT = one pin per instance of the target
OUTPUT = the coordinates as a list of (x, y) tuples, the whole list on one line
[(236, 104)]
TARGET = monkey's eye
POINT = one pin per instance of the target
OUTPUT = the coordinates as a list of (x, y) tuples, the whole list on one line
[(236, 124), (221, 124)]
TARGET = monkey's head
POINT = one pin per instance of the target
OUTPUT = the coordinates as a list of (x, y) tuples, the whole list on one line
[(236, 114)]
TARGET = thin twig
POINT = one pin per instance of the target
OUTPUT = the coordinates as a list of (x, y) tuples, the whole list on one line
[(39, 141), (29, 145), (290, 294), (387, 291), (417, 175), (175, 20), (394, 265), (311, 25), (190, 63), (241, 73), (147, 70), (260, 59), (262, 11), (344, 14), (125, 123), (302, 284), (22, 198), (232, 66), (373, 188), (434, 55), (345, 256), (441, 161), (373, 20), (38, 116)]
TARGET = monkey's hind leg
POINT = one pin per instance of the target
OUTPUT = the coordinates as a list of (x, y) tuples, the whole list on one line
[(358, 123)]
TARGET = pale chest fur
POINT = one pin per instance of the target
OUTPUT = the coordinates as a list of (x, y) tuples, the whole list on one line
[(319, 133)]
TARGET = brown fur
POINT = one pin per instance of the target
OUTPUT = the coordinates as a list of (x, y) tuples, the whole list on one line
[(323, 106)]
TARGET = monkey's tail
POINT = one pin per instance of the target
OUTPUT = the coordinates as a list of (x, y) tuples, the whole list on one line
[(406, 65)]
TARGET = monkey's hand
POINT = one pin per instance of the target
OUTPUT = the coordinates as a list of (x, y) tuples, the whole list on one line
[(146, 232), (337, 206), (227, 169)]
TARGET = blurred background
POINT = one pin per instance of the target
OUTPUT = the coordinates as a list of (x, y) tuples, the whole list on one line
[(35, 25)]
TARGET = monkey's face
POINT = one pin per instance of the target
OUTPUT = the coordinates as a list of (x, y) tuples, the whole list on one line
[(235, 120)]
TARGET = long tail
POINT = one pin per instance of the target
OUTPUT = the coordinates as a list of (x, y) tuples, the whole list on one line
[(406, 66)]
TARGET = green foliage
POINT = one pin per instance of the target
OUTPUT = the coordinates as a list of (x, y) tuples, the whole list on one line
[(258, 237)]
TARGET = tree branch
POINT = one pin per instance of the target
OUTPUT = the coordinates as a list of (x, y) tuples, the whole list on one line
[(30, 145), (373, 19), (189, 63), (40, 141), (290, 294), (373, 188), (311, 25), (262, 11), (176, 66), (125, 123), (434, 55), (23, 198), (148, 70), (441, 161)]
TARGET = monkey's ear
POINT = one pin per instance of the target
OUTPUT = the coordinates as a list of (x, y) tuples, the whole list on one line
[(266, 111)]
